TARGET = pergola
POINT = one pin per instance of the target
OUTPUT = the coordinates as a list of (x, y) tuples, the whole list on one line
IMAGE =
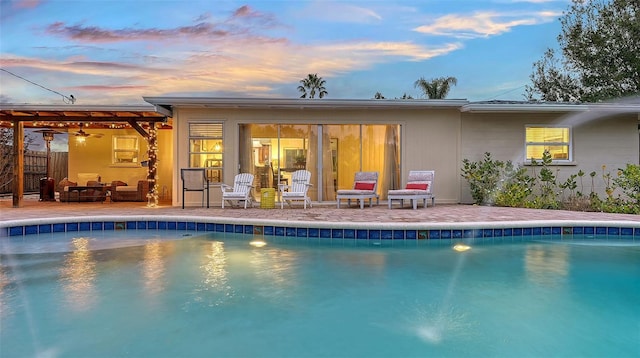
[(144, 119)]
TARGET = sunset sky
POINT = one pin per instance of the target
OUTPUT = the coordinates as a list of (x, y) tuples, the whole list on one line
[(115, 52)]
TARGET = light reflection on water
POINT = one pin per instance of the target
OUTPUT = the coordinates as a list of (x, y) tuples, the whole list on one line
[(78, 275), (4, 291), (275, 270), (153, 268), (214, 288)]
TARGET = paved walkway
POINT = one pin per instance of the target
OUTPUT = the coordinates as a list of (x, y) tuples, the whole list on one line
[(326, 213)]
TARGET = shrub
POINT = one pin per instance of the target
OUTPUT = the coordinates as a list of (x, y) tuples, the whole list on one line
[(628, 181), (505, 184), (547, 196), (496, 182)]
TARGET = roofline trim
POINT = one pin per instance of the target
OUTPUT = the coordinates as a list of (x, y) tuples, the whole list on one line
[(549, 107), (300, 103), (76, 108)]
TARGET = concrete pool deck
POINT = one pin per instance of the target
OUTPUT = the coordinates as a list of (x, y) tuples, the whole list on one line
[(324, 213)]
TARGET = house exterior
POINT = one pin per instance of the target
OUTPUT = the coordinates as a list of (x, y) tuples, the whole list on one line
[(334, 139), (272, 137)]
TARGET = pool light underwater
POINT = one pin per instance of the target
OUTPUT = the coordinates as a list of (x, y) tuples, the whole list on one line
[(461, 247)]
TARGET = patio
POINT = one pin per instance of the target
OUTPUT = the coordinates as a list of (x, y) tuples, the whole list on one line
[(34, 209)]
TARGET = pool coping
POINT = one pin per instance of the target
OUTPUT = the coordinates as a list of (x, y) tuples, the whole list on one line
[(345, 230)]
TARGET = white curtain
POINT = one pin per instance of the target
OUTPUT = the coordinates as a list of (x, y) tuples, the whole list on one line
[(328, 183), (246, 151), (391, 168)]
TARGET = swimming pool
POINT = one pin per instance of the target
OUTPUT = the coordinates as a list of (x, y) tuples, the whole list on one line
[(193, 293)]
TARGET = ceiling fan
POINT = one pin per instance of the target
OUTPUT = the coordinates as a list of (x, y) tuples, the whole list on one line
[(83, 134)]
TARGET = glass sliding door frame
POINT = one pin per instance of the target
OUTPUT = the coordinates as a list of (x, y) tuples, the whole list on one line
[(333, 153)]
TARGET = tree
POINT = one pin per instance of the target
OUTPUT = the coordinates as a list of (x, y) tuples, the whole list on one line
[(436, 88), (405, 96), (311, 85), (598, 56), (6, 157)]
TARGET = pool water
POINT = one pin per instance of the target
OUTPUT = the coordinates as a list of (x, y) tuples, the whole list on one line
[(161, 294)]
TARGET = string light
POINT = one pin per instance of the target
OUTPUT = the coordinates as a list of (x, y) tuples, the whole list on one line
[(152, 171)]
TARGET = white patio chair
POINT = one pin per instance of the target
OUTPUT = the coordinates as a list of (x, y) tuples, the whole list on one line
[(300, 184), (419, 187), (240, 191), (365, 186), (194, 179)]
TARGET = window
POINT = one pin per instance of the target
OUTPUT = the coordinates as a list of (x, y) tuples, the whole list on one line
[(555, 140), (206, 149), (125, 150)]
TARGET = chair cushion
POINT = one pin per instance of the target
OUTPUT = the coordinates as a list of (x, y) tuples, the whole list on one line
[(409, 192), (354, 192), (417, 186), (364, 186)]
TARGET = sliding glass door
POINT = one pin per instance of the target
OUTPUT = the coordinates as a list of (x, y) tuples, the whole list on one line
[(332, 153)]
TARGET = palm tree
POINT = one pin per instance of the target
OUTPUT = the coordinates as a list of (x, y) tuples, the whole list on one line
[(311, 85), (436, 88), (405, 96)]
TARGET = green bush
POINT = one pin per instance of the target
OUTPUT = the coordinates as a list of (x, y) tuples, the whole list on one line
[(628, 181), (548, 189), (495, 182)]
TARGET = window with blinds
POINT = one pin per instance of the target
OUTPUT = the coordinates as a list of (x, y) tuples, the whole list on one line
[(124, 150), (206, 149), (555, 140)]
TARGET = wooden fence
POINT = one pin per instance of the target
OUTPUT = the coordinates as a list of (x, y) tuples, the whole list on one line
[(35, 168)]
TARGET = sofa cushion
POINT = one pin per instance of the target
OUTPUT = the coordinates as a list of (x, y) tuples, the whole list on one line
[(84, 178), (118, 183), (124, 188), (65, 184)]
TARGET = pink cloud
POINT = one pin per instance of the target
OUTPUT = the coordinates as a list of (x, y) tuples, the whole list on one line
[(96, 34), (26, 4)]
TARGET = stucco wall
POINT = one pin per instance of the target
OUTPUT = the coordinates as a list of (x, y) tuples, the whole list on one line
[(429, 140), (610, 141), (94, 156)]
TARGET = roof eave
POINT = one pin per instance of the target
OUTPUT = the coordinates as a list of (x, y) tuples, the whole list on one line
[(76, 108), (550, 107), (301, 103)]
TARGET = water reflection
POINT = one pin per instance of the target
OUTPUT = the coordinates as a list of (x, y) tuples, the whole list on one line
[(547, 265), (78, 275), (4, 292), (215, 288), (153, 268), (275, 270)]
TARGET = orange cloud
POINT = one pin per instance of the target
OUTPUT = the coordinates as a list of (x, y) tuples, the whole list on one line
[(482, 24)]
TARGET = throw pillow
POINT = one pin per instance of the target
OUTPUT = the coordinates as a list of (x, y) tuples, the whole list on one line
[(417, 186), (364, 186)]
